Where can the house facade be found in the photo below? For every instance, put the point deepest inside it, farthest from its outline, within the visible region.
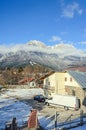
(28, 81)
(54, 84)
(67, 83)
(32, 84)
(75, 84)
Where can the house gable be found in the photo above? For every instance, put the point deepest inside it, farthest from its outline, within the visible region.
(79, 77)
(70, 81)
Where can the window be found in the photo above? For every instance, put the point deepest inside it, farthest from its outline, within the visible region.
(65, 78)
(73, 92)
(71, 79)
(32, 84)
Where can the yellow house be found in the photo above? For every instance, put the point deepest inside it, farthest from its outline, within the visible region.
(54, 84)
(67, 83)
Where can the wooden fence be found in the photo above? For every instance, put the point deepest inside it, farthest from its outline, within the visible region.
(71, 121)
(60, 122)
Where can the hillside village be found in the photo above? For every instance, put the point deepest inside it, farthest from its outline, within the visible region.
(71, 82)
(68, 82)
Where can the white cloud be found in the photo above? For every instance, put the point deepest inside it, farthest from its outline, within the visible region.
(3, 49)
(30, 47)
(12, 48)
(70, 10)
(59, 40)
(55, 38)
(83, 42)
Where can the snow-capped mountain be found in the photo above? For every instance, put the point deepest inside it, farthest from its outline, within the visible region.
(36, 43)
(57, 57)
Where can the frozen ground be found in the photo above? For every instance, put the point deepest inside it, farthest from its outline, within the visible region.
(11, 107)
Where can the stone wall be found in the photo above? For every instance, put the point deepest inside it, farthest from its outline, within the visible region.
(76, 91)
(18, 86)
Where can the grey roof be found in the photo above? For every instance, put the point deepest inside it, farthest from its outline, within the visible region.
(80, 77)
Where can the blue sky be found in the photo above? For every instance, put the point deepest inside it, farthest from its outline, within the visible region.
(49, 21)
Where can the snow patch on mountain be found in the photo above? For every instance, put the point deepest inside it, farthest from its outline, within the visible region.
(57, 56)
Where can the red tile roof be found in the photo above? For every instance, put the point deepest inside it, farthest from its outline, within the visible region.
(26, 80)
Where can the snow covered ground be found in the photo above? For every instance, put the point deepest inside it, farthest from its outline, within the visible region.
(24, 93)
(11, 107)
(80, 128)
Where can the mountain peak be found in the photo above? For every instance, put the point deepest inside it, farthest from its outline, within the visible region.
(36, 43)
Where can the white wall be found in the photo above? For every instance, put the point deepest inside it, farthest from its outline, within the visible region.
(55, 81)
(70, 83)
